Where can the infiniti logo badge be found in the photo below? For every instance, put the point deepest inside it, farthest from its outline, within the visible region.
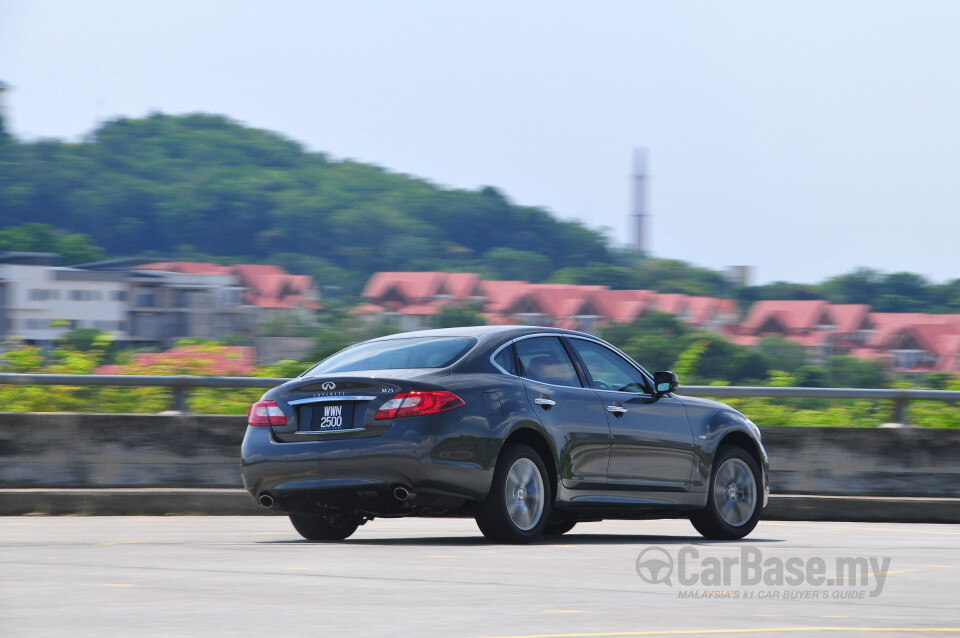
(329, 385)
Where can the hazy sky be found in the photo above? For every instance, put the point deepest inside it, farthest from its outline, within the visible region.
(803, 138)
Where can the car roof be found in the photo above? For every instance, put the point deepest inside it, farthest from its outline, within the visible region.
(480, 332)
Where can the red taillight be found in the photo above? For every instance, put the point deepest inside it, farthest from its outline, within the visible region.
(418, 403)
(266, 413)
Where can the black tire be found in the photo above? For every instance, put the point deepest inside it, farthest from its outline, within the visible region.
(330, 527)
(558, 527)
(730, 516)
(520, 470)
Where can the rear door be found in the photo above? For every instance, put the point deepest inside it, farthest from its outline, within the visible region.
(651, 443)
(572, 413)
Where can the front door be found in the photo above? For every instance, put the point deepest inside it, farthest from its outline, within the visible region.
(651, 443)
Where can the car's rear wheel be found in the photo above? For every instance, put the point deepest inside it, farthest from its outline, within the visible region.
(328, 527)
(734, 500)
(518, 506)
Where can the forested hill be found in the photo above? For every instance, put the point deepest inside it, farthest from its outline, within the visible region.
(202, 187)
(205, 186)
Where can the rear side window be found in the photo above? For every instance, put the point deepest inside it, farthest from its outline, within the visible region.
(505, 360)
(544, 359)
(391, 354)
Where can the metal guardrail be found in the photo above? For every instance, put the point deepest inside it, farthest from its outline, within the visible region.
(181, 384)
(900, 397)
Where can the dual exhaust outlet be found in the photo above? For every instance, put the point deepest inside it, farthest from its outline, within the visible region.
(400, 493)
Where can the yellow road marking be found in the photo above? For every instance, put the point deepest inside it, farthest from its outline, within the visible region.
(752, 630)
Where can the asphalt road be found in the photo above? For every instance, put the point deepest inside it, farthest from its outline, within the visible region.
(253, 576)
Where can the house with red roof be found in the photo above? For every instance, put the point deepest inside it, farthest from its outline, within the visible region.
(907, 342)
(915, 342)
(806, 322)
(412, 300)
(177, 299)
(623, 306)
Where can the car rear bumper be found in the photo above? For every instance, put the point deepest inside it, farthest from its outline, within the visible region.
(359, 474)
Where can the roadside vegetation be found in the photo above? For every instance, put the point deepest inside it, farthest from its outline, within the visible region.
(660, 341)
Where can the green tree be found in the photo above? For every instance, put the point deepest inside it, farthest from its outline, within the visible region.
(610, 275)
(510, 263)
(812, 377)
(850, 372)
(33, 237)
(784, 354)
(457, 316)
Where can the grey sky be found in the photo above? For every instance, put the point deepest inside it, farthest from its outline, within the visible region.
(804, 138)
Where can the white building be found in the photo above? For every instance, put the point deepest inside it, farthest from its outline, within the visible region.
(40, 301)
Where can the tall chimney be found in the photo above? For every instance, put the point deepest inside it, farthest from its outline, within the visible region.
(640, 199)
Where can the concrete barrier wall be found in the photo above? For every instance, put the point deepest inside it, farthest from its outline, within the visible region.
(864, 461)
(68, 450)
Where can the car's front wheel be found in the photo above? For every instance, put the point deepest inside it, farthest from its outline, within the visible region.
(329, 527)
(734, 501)
(518, 506)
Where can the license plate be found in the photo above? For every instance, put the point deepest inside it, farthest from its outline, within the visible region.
(327, 417)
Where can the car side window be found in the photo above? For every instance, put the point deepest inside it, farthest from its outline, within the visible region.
(544, 359)
(608, 369)
(505, 360)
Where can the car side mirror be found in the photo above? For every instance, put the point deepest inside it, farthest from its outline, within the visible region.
(665, 382)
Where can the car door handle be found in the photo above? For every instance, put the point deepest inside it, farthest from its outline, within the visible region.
(544, 402)
(616, 409)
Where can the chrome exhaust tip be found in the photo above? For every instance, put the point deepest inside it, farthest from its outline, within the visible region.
(402, 494)
(266, 500)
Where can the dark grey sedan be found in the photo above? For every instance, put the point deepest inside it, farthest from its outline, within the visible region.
(527, 429)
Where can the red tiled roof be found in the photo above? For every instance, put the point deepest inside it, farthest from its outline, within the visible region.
(421, 285)
(671, 303)
(412, 285)
(562, 300)
(622, 306)
(793, 315)
(703, 309)
(461, 284)
(850, 317)
(501, 294)
(272, 287)
(887, 323)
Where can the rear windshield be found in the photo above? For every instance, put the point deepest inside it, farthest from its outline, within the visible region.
(415, 352)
